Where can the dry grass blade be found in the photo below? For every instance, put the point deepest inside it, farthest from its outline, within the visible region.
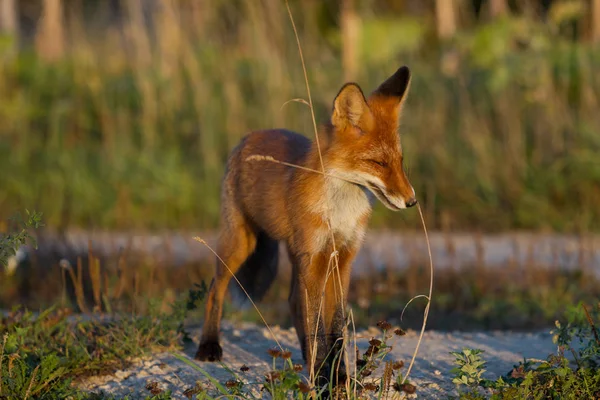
(410, 301)
(258, 157)
(298, 100)
(77, 283)
(316, 131)
(310, 103)
(426, 313)
(4, 339)
(271, 159)
(354, 389)
(592, 324)
(199, 239)
(33, 377)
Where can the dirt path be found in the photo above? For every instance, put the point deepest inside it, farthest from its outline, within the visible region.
(247, 344)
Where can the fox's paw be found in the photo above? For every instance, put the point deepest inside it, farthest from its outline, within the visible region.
(209, 351)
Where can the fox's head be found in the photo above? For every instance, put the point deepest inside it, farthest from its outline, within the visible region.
(364, 143)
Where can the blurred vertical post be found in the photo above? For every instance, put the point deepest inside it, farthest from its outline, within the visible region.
(445, 13)
(9, 17)
(349, 25)
(50, 38)
(595, 21)
(498, 8)
(138, 37)
(168, 23)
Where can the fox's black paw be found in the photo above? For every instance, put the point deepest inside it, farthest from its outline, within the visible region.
(209, 351)
(341, 376)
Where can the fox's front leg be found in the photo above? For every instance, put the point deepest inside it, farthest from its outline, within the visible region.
(307, 306)
(336, 295)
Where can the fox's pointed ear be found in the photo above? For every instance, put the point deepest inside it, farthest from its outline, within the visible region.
(350, 107)
(396, 86)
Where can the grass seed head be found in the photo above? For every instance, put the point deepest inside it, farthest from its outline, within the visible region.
(275, 353)
(397, 365)
(286, 355)
(384, 325)
(303, 387)
(272, 376)
(400, 332)
(232, 383)
(405, 387)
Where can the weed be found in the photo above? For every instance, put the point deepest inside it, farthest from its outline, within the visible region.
(469, 368)
(10, 243)
(557, 377)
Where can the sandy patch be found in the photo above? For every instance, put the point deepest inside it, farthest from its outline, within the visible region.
(247, 344)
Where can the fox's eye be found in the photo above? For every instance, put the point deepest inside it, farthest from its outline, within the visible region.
(380, 163)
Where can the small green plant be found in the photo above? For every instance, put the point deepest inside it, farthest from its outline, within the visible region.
(10, 243)
(469, 369)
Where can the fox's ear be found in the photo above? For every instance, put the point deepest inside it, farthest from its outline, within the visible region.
(350, 107)
(396, 86)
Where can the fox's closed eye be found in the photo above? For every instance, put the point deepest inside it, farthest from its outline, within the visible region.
(379, 162)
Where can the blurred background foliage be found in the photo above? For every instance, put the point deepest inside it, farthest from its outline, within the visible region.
(120, 114)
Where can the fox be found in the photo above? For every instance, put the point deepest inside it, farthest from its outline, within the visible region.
(313, 214)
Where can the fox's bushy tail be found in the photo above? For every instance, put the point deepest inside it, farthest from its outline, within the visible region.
(257, 273)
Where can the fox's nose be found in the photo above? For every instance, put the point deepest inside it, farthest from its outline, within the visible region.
(411, 202)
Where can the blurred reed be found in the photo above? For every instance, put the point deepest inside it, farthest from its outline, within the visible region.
(130, 128)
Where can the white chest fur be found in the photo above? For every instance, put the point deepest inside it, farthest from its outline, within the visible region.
(345, 205)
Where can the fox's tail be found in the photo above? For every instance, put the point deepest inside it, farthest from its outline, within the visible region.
(257, 273)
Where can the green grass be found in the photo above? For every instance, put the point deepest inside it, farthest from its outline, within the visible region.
(499, 131)
(42, 353)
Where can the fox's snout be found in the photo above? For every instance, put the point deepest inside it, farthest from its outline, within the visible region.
(400, 202)
(411, 202)
(395, 200)
(399, 190)
(410, 198)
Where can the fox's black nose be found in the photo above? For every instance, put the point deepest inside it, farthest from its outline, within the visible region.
(411, 202)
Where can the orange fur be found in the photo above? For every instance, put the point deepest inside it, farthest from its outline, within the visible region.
(265, 202)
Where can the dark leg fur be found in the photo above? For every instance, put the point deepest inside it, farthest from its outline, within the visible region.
(236, 243)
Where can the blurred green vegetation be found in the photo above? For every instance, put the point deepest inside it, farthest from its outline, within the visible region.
(131, 129)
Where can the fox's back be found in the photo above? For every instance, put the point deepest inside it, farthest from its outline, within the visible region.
(259, 188)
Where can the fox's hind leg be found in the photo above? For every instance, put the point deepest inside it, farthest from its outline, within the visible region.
(236, 243)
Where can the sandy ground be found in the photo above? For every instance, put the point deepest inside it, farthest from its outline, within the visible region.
(248, 344)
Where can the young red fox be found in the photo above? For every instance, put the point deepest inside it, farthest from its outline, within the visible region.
(263, 203)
